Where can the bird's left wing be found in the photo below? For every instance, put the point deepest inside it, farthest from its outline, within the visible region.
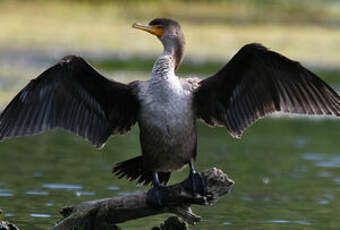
(257, 82)
(71, 95)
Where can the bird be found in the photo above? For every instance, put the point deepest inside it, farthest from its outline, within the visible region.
(254, 83)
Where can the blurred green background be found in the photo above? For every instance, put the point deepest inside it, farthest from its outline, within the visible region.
(41, 32)
(287, 169)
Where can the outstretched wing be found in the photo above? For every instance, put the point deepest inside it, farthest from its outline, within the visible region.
(71, 95)
(257, 82)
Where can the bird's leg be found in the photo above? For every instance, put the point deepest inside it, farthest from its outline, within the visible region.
(156, 195)
(198, 182)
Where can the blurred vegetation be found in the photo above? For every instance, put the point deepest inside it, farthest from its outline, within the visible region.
(295, 28)
(35, 34)
(304, 30)
(325, 12)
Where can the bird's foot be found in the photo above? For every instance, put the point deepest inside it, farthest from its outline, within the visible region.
(156, 195)
(198, 184)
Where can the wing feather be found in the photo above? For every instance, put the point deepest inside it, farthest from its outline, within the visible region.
(257, 82)
(71, 95)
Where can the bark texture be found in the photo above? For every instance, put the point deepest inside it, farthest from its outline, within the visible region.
(104, 213)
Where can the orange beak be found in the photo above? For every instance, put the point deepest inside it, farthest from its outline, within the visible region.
(154, 29)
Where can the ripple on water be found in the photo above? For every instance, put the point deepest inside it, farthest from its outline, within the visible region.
(329, 196)
(325, 174)
(323, 202)
(313, 156)
(246, 198)
(300, 142)
(37, 174)
(63, 186)
(84, 193)
(281, 221)
(266, 180)
(37, 193)
(259, 197)
(113, 188)
(5, 193)
(323, 160)
(337, 180)
(49, 204)
(40, 215)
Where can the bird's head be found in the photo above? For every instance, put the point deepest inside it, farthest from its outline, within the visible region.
(169, 32)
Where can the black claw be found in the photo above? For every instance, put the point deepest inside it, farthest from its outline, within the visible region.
(156, 196)
(198, 183)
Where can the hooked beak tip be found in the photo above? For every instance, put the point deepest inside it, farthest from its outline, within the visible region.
(148, 28)
(134, 25)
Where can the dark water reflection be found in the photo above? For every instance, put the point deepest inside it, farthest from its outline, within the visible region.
(286, 171)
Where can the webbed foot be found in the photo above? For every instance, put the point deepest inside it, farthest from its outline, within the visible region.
(156, 195)
(198, 183)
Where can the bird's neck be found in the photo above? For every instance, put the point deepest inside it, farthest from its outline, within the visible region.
(168, 62)
(163, 79)
(164, 68)
(175, 49)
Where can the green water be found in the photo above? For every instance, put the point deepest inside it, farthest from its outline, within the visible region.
(287, 174)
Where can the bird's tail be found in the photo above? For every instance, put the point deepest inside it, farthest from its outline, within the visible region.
(133, 170)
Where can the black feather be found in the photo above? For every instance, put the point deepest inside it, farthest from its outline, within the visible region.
(257, 82)
(133, 169)
(71, 95)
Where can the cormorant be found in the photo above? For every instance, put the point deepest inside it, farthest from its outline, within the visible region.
(72, 95)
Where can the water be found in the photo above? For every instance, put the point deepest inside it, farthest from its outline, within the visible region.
(287, 176)
(279, 184)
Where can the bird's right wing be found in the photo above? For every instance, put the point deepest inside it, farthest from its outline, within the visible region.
(71, 95)
(257, 82)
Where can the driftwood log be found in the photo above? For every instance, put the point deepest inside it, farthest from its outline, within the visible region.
(104, 213)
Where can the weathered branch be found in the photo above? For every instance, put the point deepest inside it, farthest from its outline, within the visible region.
(102, 214)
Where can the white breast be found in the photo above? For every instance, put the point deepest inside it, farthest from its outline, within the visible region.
(166, 119)
(166, 103)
